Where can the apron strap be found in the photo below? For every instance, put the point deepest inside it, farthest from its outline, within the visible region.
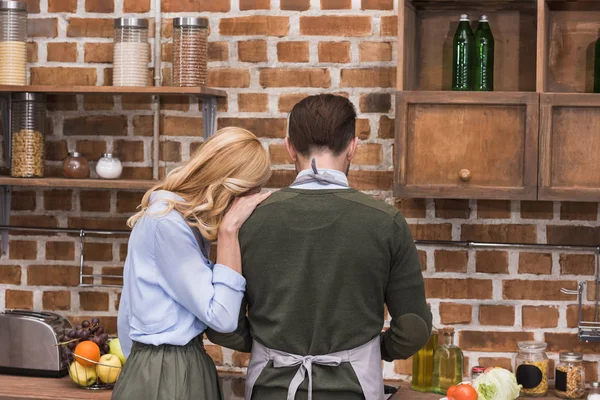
(324, 178)
(305, 367)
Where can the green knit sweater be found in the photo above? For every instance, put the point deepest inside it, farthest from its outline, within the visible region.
(320, 265)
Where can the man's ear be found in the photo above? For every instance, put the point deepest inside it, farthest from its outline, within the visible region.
(352, 148)
(291, 150)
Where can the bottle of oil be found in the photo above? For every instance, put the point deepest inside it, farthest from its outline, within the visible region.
(422, 365)
(447, 364)
(484, 56)
(463, 48)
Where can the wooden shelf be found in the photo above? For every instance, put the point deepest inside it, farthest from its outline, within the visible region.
(131, 184)
(487, 5)
(118, 90)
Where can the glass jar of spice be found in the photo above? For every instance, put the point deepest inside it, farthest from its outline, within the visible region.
(532, 368)
(13, 43)
(190, 51)
(594, 391)
(109, 167)
(570, 376)
(476, 371)
(76, 166)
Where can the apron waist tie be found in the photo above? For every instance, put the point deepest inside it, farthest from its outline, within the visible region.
(305, 367)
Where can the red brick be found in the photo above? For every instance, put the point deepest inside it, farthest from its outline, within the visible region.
(493, 209)
(170, 151)
(127, 202)
(22, 200)
(588, 314)
(91, 149)
(56, 150)
(376, 77)
(100, 6)
(452, 313)
(334, 52)
(252, 51)
(229, 77)
(377, 4)
(578, 211)
(55, 6)
(62, 102)
(64, 251)
(241, 359)
(363, 129)
(295, 5)
(577, 264)
(450, 209)
(540, 317)
(446, 288)
(55, 76)
(451, 261)
(59, 300)
(255, 5)
(32, 52)
(492, 341)
(10, 274)
(129, 150)
(334, 25)
(536, 290)
(261, 127)
(375, 103)
(386, 128)
(62, 52)
(431, 231)
(136, 6)
(411, 208)
(496, 315)
(422, 259)
(377, 180)
(375, 51)
(98, 251)
(98, 52)
(561, 342)
(90, 27)
(292, 52)
(22, 250)
(42, 27)
(33, 221)
(114, 271)
(96, 125)
(123, 252)
(590, 371)
(389, 26)
(537, 209)
(501, 362)
(98, 223)
(253, 102)
(215, 352)
(137, 173)
(491, 262)
(292, 77)
(58, 200)
(403, 367)
(281, 178)
(93, 301)
(279, 154)
(94, 200)
(368, 154)
(218, 51)
(573, 235)
(52, 275)
(535, 263)
(336, 4)
(287, 101)
(33, 6)
(19, 299)
(500, 233)
(254, 25)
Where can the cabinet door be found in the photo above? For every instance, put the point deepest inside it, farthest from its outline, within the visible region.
(466, 145)
(570, 147)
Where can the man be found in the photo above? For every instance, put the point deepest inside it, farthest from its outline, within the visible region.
(320, 261)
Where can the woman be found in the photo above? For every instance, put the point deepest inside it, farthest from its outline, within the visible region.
(172, 292)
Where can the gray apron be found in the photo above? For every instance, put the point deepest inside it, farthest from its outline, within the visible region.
(365, 360)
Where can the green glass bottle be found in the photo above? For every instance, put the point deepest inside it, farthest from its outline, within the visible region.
(447, 364)
(484, 56)
(462, 55)
(597, 67)
(422, 365)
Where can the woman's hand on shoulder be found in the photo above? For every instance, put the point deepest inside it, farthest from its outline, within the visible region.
(240, 211)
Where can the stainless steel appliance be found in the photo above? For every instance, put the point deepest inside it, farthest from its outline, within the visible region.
(28, 343)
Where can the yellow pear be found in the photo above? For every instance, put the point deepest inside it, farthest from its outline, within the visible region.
(108, 368)
(83, 376)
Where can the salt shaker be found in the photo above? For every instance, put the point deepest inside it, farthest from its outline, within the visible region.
(109, 167)
(594, 391)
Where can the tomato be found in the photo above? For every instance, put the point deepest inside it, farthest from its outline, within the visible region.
(464, 392)
(450, 391)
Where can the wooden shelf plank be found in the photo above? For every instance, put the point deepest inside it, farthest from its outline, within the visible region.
(482, 5)
(131, 184)
(114, 90)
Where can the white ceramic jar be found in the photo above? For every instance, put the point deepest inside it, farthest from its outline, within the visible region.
(109, 167)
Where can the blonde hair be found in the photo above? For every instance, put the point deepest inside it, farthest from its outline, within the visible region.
(229, 164)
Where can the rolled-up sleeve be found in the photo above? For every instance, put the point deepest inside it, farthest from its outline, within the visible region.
(215, 295)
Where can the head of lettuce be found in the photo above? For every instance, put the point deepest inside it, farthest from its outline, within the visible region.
(497, 384)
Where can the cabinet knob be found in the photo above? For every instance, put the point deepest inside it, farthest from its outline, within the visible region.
(465, 175)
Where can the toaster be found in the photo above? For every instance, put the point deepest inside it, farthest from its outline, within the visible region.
(28, 343)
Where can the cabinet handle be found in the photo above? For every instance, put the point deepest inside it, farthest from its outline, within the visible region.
(465, 175)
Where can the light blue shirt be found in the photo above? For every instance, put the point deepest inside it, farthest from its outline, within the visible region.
(171, 291)
(339, 175)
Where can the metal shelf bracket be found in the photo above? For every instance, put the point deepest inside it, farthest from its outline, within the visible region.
(5, 191)
(209, 115)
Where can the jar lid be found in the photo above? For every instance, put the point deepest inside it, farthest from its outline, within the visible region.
(131, 23)
(27, 96)
(13, 5)
(571, 357)
(447, 331)
(107, 155)
(483, 18)
(478, 369)
(596, 384)
(190, 21)
(532, 346)
(74, 154)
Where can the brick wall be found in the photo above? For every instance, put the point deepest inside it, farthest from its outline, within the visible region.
(268, 54)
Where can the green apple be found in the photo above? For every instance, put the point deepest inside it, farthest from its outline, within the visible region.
(108, 368)
(115, 348)
(83, 376)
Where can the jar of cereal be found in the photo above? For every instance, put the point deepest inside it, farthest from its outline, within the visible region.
(532, 368)
(569, 377)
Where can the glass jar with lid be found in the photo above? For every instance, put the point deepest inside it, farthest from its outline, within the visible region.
(189, 51)
(28, 118)
(13, 43)
(532, 368)
(109, 167)
(594, 391)
(76, 166)
(131, 52)
(570, 376)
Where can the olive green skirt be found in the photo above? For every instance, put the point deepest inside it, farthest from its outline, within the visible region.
(168, 372)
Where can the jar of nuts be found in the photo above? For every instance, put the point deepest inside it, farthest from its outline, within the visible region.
(570, 378)
(28, 126)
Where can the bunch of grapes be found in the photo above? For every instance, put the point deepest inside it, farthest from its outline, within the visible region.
(86, 331)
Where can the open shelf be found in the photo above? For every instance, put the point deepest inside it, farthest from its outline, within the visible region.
(118, 90)
(130, 184)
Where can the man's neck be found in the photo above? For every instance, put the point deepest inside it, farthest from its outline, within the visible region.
(323, 162)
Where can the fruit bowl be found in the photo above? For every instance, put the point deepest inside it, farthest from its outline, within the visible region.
(89, 374)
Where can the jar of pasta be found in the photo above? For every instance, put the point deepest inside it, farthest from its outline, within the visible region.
(569, 377)
(532, 368)
(13, 43)
(28, 125)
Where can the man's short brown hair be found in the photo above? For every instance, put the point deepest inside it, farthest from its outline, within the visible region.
(322, 122)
